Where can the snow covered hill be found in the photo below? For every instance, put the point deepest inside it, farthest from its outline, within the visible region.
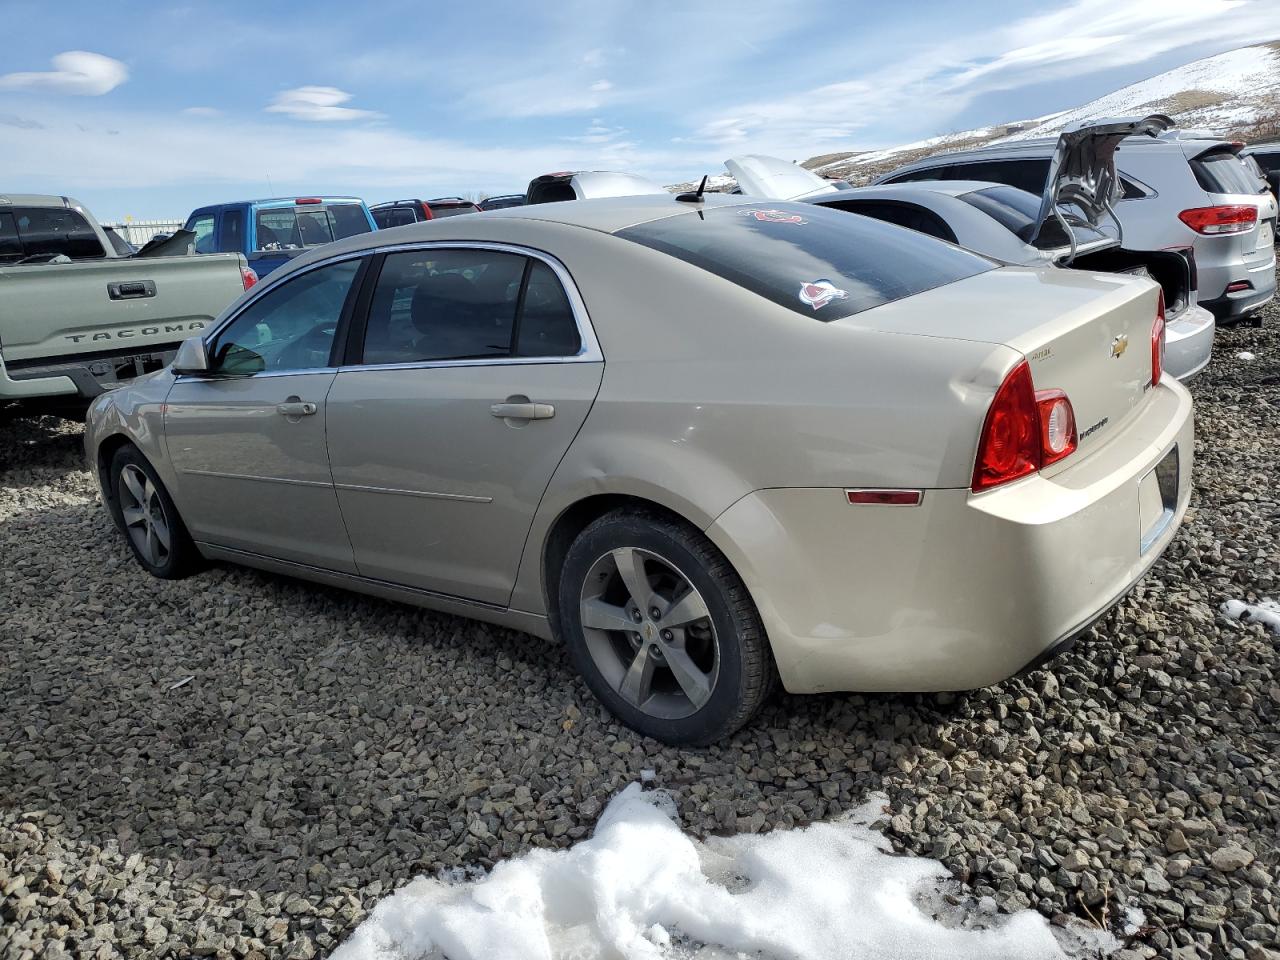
(1231, 92)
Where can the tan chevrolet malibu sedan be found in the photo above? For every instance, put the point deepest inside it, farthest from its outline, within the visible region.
(707, 444)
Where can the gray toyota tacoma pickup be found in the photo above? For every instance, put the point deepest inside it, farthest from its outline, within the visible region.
(76, 318)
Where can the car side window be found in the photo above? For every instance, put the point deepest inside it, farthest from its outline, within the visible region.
(1029, 175)
(54, 231)
(290, 327)
(547, 326)
(231, 239)
(203, 227)
(10, 245)
(440, 304)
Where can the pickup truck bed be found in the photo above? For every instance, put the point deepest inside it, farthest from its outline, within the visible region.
(70, 330)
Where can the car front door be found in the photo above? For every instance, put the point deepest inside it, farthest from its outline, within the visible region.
(475, 368)
(248, 439)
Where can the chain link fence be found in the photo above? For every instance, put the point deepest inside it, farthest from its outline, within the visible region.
(138, 232)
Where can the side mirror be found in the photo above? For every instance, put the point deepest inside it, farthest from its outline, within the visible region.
(192, 358)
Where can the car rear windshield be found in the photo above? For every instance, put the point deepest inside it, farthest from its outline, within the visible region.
(309, 225)
(1019, 211)
(817, 262)
(1224, 172)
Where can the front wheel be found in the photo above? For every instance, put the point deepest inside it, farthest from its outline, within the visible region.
(663, 629)
(145, 513)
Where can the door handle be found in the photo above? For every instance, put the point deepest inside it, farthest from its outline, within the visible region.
(131, 289)
(523, 410)
(293, 407)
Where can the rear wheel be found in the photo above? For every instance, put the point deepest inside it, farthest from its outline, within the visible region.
(662, 628)
(145, 513)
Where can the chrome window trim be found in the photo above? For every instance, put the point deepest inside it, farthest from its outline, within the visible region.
(589, 352)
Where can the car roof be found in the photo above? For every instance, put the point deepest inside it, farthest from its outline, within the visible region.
(1043, 148)
(36, 200)
(605, 214)
(948, 188)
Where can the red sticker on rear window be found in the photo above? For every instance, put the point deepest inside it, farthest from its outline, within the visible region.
(774, 216)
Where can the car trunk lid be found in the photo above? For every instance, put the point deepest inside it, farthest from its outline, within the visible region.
(1088, 334)
(1082, 180)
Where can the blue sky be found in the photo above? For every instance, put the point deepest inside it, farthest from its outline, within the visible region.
(150, 110)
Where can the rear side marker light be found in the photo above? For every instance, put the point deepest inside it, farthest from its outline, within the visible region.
(1214, 221)
(1158, 342)
(1238, 286)
(887, 498)
(248, 277)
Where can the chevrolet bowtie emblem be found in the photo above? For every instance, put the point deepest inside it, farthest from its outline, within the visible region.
(1119, 345)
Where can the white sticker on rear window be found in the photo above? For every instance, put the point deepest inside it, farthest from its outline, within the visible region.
(819, 293)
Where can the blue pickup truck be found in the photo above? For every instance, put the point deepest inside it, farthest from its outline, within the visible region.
(272, 232)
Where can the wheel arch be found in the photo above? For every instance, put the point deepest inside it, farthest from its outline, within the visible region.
(105, 453)
(575, 518)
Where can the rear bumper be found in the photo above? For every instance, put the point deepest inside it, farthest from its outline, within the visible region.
(1189, 343)
(30, 388)
(84, 377)
(964, 590)
(1262, 279)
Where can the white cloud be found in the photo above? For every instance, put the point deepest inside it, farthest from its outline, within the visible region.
(600, 86)
(320, 104)
(593, 58)
(202, 112)
(76, 72)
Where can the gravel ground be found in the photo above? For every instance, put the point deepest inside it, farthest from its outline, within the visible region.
(239, 765)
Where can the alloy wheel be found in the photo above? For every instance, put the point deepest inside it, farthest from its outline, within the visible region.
(650, 633)
(144, 516)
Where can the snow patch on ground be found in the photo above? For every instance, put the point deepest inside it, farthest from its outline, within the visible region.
(1245, 355)
(1266, 612)
(640, 888)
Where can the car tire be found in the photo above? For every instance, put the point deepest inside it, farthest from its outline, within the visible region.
(146, 515)
(691, 683)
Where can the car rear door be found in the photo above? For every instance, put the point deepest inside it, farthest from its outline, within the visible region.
(474, 371)
(248, 439)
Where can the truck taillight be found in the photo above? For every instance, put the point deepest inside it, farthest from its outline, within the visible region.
(1214, 221)
(1025, 430)
(1157, 342)
(426, 213)
(248, 277)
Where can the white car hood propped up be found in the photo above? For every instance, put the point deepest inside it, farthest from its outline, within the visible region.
(774, 179)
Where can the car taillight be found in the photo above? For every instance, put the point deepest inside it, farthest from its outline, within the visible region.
(248, 277)
(1231, 218)
(1057, 426)
(1025, 430)
(1010, 444)
(1157, 343)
